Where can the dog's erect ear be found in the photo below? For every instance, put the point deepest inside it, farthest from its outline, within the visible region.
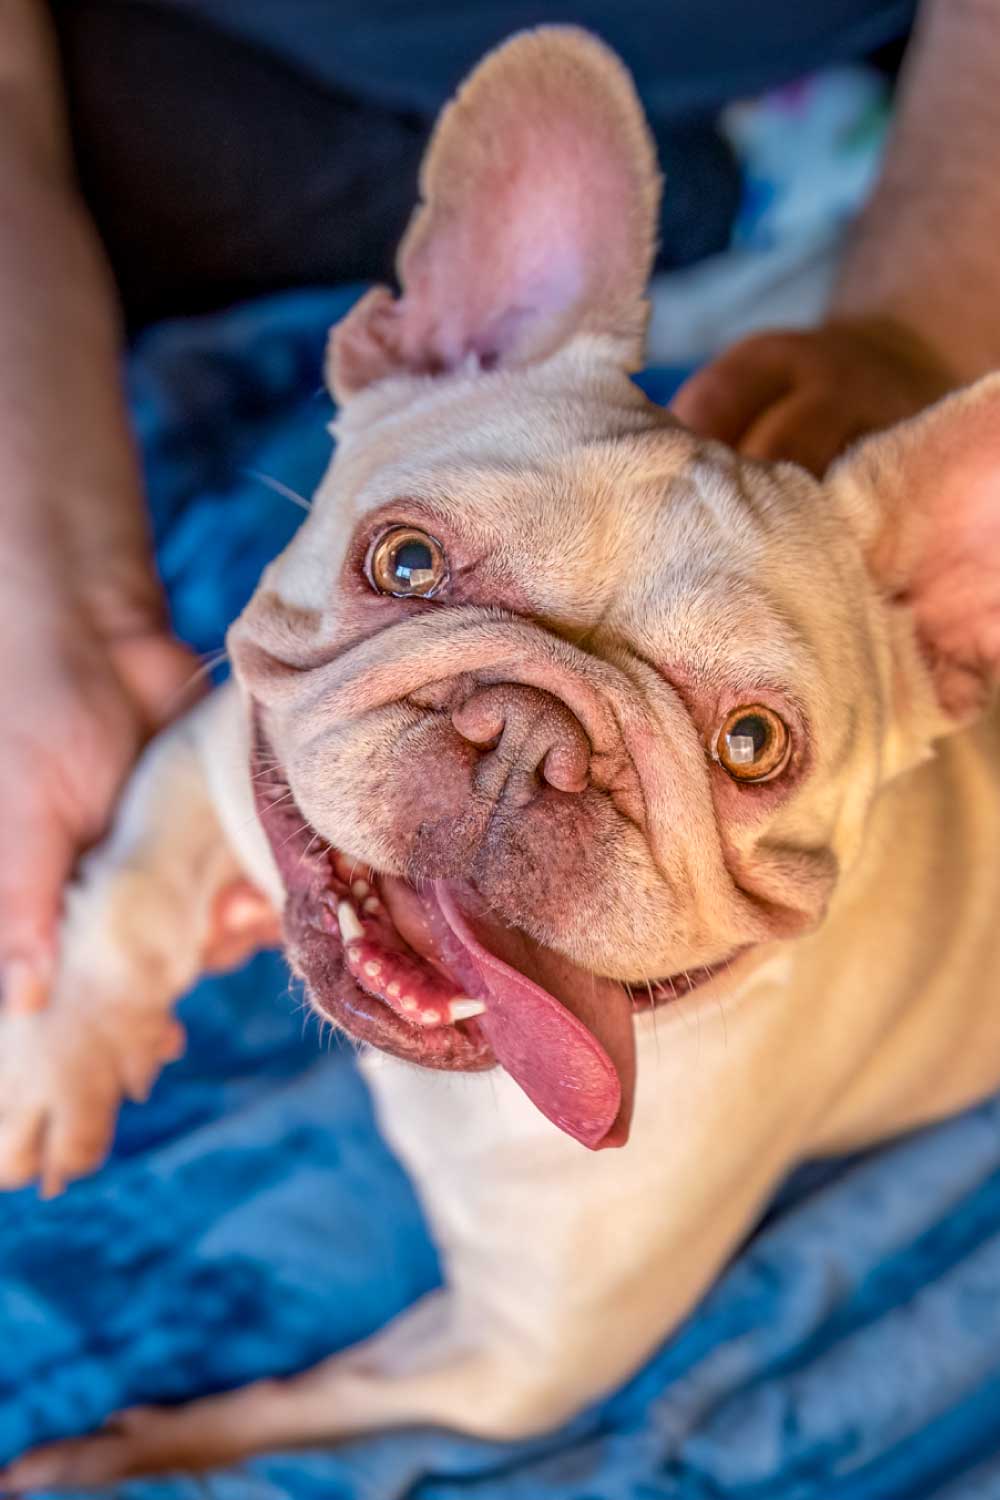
(537, 222)
(926, 497)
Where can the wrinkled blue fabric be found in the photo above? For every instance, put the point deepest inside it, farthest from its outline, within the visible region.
(251, 1221)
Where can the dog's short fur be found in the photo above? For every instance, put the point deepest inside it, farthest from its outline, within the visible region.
(544, 732)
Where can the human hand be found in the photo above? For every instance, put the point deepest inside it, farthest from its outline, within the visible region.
(805, 396)
(82, 685)
(87, 667)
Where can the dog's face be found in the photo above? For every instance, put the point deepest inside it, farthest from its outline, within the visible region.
(559, 710)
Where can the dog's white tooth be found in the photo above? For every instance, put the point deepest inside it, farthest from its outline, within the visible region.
(347, 920)
(462, 1009)
(360, 889)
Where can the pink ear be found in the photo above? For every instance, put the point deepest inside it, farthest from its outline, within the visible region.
(934, 534)
(539, 199)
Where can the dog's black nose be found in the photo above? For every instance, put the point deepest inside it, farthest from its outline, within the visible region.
(527, 738)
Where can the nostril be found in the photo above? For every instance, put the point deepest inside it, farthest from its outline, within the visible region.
(535, 735)
(566, 767)
(480, 720)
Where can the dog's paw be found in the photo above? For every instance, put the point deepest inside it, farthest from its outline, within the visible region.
(131, 944)
(185, 1439)
(103, 1035)
(241, 920)
(145, 1440)
(64, 1072)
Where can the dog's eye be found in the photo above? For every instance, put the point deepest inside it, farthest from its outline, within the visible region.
(753, 744)
(407, 563)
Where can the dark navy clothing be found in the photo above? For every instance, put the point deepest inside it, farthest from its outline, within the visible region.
(688, 56)
(234, 146)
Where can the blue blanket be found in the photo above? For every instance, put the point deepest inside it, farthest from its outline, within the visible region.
(851, 1350)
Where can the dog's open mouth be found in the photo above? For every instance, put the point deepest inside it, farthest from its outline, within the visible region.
(432, 976)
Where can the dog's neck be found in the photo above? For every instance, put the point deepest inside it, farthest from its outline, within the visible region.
(909, 954)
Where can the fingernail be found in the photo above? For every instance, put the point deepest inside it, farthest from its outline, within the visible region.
(244, 912)
(174, 1042)
(52, 1185)
(25, 986)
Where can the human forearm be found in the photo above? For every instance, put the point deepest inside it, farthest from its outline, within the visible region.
(87, 670)
(71, 498)
(924, 256)
(916, 310)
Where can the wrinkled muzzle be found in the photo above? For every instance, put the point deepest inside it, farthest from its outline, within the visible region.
(458, 812)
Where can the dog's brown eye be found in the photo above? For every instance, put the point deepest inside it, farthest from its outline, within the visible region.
(407, 563)
(753, 744)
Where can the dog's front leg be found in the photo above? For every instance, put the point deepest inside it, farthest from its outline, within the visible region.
(163, 897)
(435, 1365)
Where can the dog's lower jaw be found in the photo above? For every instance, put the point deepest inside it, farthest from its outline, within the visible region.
(433, 975)
(412, 973)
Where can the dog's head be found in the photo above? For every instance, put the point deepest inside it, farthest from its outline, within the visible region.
(560, 711)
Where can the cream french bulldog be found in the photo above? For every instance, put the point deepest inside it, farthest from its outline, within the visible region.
(640, 796)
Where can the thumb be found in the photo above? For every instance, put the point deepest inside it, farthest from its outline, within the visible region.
(724, 398)
(36, 857)
(160, 675)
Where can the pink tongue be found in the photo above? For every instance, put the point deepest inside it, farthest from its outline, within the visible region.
(565, 1036)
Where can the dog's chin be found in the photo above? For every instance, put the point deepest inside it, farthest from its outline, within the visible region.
(432, 976)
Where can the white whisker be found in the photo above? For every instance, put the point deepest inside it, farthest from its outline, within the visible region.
(305, 853)
(656, 1032)
(285, 797)
(294, 834)
(279, 488)
(720, 1001)
(267, 774)
(186, 688)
